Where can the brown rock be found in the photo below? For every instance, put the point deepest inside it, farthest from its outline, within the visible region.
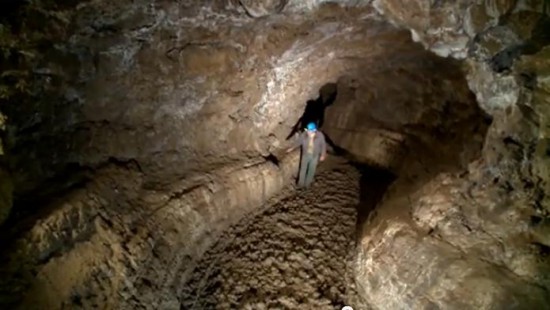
(477, 20)
(163, 124)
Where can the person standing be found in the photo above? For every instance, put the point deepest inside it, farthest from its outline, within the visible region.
(314, 149)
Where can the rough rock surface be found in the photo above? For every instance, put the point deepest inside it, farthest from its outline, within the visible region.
(151, 85)
(446, 245)
(422, 110)
(295, 255)
(112, 244)
(151, 126)
(476, 236)
(493, 33)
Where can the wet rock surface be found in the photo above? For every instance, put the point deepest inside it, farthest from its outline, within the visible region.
(296, 255)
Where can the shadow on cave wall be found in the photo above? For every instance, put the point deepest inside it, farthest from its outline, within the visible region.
(315, 109)
(374, 180)
(315, 112)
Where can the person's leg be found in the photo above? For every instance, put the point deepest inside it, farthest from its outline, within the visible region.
(304, 163)
(312, 166)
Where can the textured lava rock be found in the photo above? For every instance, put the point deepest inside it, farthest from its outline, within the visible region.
(175, 113)
(263, 8)
(378, 117)
(178, 114)
(117, 233)
(506, 266)
(295, 255)
(446, 219)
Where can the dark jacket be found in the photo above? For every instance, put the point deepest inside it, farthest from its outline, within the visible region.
(319, 143)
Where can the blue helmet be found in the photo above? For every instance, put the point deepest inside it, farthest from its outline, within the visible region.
(311, 126)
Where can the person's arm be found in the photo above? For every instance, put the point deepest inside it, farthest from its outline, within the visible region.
(296, 144)
(323, 147)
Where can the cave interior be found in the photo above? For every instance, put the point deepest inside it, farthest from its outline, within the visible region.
(144, 163)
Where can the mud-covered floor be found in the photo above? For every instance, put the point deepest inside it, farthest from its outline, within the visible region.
(295, 255)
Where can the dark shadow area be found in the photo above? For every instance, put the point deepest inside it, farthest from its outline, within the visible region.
(36, 203)
(315, 109)
(334, 148)
(373, 184)
(315, 112)
(273, 159)
(540, 37)
(37, 143)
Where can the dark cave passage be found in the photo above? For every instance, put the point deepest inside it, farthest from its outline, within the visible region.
(373, 184)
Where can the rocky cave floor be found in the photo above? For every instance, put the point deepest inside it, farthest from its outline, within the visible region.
(297, 254)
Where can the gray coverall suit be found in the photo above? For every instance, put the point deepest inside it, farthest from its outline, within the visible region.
(312, 150)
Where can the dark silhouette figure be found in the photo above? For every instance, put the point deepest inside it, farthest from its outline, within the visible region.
(315, 109)
(315, 112)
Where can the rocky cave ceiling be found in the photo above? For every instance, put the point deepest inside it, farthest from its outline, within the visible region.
(135, 132)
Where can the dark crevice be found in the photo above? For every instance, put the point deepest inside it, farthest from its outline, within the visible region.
(272, 158)
(76, 300)
(373, 184)
(540, 37)
(129, 164)
(535, 220)
(542, 249)
(73, 176)
(504, 59)
(511, 141)
(528, 80)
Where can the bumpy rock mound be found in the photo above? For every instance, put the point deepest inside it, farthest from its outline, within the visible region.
(145, 128)
(296, 255)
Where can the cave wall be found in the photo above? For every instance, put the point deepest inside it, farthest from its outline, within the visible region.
(110, 246)
(390, 117)
(142, 101)
(485, 225)
(151, 85)
(171, 150)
